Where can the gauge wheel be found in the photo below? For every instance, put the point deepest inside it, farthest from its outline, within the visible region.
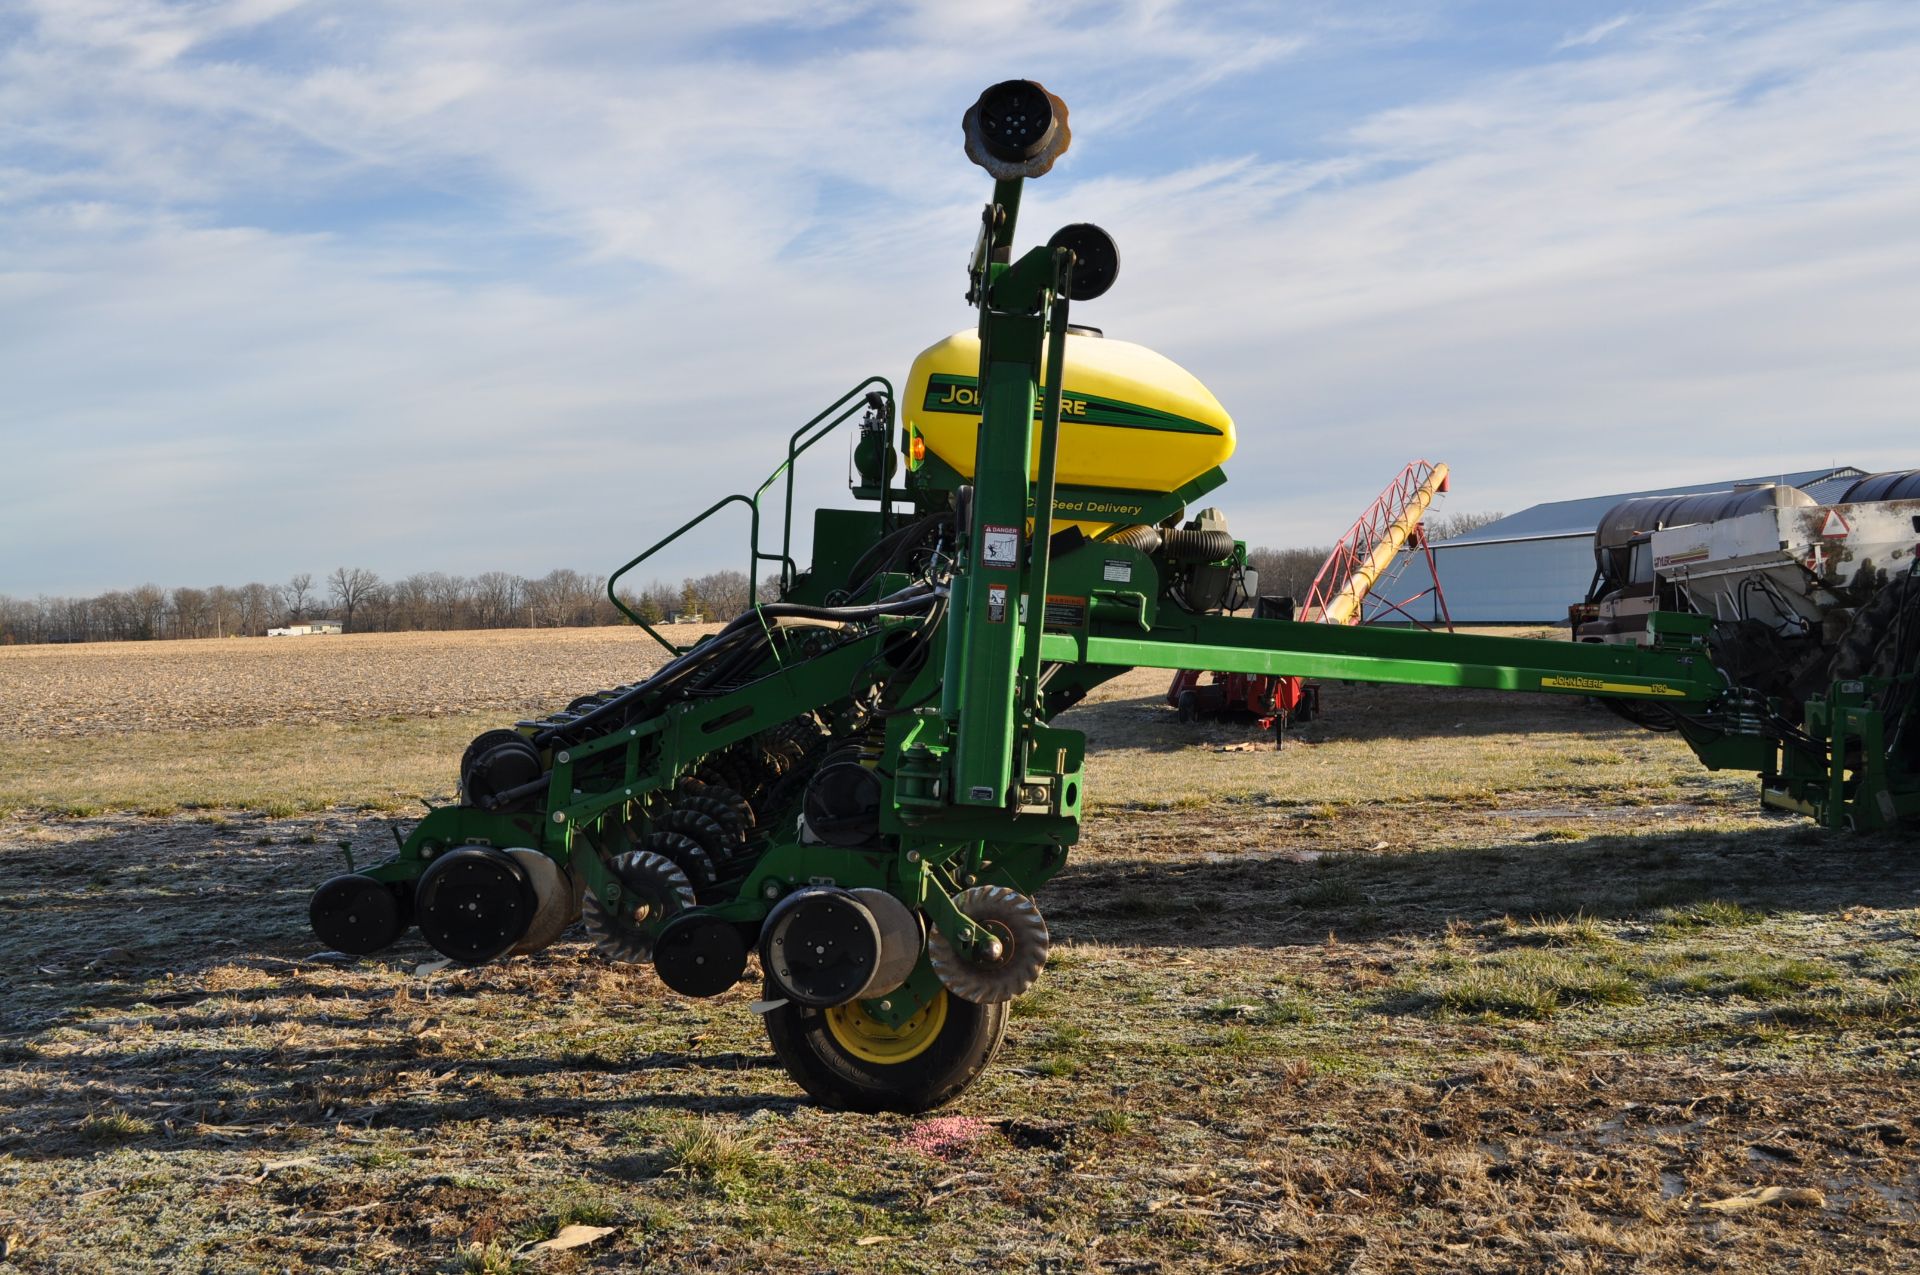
(845, 1057)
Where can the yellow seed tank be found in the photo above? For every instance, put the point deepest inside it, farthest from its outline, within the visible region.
(1131, 420)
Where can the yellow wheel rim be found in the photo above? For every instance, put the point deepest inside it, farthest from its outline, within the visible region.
(870, 1040)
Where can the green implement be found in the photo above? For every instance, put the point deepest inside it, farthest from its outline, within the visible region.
(859, 786)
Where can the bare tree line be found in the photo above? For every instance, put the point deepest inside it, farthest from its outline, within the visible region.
(1447, 526)
(1287, 572)
(564, 598)
(1290, 572)
(363, 603)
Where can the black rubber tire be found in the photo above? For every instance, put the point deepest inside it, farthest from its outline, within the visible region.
(966, 1046)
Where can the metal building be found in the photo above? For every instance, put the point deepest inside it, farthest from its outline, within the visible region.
(1531, 566)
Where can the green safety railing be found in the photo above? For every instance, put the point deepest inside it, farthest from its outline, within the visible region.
(803, 438)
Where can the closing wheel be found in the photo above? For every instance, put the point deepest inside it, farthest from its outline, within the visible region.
(732, 811)
(685, 852)
(657, 889)
(1012, 919)
(704, 830)
(725, 816)
(845, 1057)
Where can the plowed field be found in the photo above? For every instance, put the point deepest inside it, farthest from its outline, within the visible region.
(50, 692)
(1454, 982)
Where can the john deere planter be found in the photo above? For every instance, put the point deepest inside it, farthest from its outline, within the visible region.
(858, 787)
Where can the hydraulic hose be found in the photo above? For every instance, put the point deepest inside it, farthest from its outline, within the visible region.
(891, 550)
(743, 630)
(676, 669)
(909, 667)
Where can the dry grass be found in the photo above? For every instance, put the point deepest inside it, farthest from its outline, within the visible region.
(98, 688)
(1381, 744)
(277, 770)
(1379, 1010)
(378, 721)
(282, 725)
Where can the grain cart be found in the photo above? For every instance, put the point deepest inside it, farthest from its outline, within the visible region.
(861, 783)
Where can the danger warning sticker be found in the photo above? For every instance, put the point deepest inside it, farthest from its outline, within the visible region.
(1000, 546)
(997, 603)
(1065, 612)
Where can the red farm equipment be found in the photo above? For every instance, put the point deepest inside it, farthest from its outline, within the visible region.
(1272, 703)
(1353, 586)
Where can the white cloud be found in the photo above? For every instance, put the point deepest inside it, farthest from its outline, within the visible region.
(618, 253)
(1594, 34)
(1637, 271)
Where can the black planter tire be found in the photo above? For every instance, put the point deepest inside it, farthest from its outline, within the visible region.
(952, 1044)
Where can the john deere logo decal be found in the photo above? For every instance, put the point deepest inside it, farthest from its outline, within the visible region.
(1602, 686)
(962, 394)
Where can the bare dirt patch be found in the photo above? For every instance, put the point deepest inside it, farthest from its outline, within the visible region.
(50, 692)
(283, 725)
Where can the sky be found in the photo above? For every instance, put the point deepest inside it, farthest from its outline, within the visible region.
(499, 285)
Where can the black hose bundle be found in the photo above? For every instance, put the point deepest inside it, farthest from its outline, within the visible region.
(1194, 547)
(906, 666)
(895, 550)
(745, 633)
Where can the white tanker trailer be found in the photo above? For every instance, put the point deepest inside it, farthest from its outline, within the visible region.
(1800, 592)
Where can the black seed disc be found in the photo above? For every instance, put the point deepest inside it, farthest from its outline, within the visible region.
(355, 913)
(474, 903)
(700, 956)
(820, 945)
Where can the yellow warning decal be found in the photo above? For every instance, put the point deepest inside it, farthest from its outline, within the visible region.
(1598, 686)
